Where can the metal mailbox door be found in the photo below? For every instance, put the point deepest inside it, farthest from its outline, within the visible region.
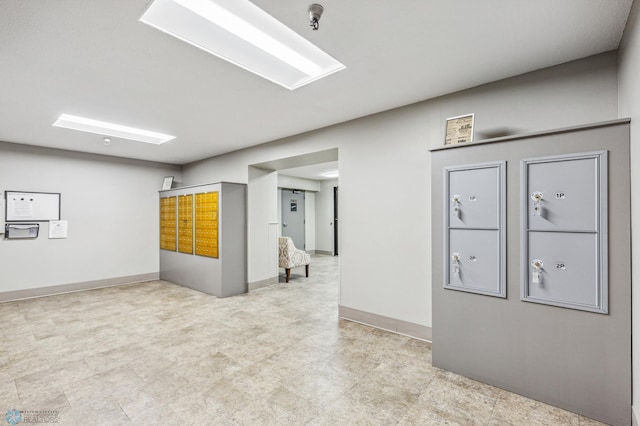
(564, 270)
(562, 195)
(474, 261)
(475, 193)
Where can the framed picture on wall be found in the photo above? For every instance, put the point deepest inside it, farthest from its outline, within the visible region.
(168, 181)
(459, 129)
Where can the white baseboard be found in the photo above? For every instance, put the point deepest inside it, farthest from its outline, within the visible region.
(30, 293)
(406, 328)
(634, 416)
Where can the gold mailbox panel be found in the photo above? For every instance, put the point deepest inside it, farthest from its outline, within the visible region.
(168, 223)
(185, 224)
(207, 224)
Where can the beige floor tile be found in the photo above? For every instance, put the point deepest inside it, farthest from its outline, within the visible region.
(415, 348)
(112, 417)
(9, 394)
(320, 386)
(49, 401)
(121, 383)
(227, 395)
(517, 410)
(144, 409)
(585, 421)
(258, 379)
(285, 403)
(22, 364)
(207, 370)
(424, 416)
(346, 411)
(378, 394)
(468, 385)
(404, 372)
(199, 410)
(355, 363)
(70, 371)
(456, 404)
(149, 367)
(42, 383)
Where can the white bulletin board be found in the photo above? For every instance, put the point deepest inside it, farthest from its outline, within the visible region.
(24, 206)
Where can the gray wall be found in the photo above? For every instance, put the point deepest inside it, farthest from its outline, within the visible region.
(263, 225)
(576, 360)
(112, 208)
(387, 154)
(629, 106)
(309, 221)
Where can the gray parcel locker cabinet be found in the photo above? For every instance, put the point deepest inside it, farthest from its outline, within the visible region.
(567, 188)
(474, 196)
(477, 267)
(569, 269)
(474, 222)
(564, 231)
(570, 358)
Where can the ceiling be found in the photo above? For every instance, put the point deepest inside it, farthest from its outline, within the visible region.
(93, 59)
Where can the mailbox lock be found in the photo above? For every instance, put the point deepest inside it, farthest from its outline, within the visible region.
(455, 202)
(455, 259)
(537, 198)
(537, 264)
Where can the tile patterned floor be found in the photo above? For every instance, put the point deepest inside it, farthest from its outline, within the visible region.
(161, 354)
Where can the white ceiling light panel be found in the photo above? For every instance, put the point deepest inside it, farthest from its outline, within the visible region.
(240, 32)
(331, 174)
(110, 129)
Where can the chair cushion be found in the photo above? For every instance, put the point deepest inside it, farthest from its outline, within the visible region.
(289, 256)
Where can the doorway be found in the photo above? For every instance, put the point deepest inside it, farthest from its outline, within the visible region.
(317, 174)
(293, 216)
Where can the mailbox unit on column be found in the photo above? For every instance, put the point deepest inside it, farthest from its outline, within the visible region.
(564, 231)
(203, 237)
(474, 228)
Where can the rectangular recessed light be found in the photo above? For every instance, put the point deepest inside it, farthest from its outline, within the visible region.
(240, 32)
(110, 129)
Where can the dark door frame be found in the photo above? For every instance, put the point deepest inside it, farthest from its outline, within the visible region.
(335, 220)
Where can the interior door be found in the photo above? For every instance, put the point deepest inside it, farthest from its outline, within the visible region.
(293, 216)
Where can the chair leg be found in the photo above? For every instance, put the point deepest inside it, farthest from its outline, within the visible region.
(306, 269)
(288, 270)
